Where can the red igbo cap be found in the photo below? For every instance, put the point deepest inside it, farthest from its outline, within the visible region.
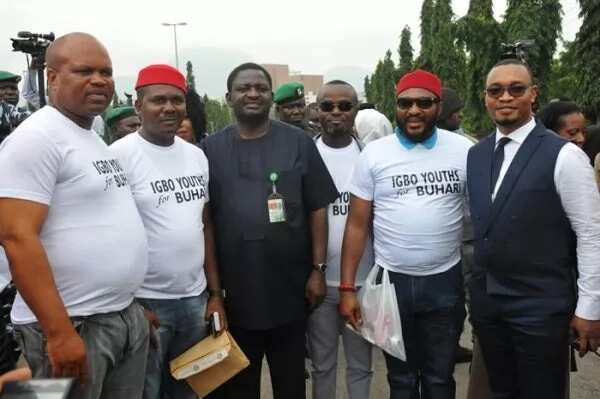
(161, 74)
(420, 79)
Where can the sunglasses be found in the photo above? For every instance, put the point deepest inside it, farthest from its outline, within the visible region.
(422, 102)
(343, 106)
(516, 90)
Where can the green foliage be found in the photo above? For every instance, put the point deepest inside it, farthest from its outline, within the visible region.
(587, 59)
(481, 35)
(539, 20)
(218, 115)
(189, 76)
(563, 79)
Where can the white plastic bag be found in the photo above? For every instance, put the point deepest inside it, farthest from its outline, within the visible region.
(380, 314)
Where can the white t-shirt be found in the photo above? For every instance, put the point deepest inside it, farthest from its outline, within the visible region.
(93, 235)
(418, 199)
(170, 187)
(340, 162)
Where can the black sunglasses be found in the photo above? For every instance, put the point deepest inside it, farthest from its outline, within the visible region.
(343, 106)
(422, 102)
(516, 90)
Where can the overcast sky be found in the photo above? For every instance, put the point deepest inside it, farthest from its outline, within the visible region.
(312, 36)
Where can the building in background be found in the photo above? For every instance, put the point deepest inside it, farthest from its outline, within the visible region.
(280, 73)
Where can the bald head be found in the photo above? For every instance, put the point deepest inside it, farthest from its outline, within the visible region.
(334, 84)
(69, 45)
(80, 81)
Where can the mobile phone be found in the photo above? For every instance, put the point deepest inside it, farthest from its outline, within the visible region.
(38, 389)
(214, 324)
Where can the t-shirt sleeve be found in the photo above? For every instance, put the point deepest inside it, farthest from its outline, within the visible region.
(318, 187)
(30, 163)
(362, 184)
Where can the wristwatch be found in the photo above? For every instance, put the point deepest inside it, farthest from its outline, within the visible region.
(320, 267)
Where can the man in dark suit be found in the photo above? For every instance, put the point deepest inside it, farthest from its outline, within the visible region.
(536, 218)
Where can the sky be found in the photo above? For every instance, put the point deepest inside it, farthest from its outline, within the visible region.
(312, 36)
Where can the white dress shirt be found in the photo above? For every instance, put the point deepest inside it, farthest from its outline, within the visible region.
(576, 186)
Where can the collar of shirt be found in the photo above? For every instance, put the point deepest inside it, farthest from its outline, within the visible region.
(518, 135)
(409, 144)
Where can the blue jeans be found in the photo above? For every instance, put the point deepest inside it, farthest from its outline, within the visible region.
(116, 344)
(182, 325)
(432, 310)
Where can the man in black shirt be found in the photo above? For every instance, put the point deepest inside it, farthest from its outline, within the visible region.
(270, 189)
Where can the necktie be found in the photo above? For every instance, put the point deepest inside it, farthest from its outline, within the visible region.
(497, 162)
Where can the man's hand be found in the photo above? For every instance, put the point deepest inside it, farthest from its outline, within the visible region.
(588, 334)
(216, 304)
(350, 309)
(316, 288)
(67, 355)
(153, 324)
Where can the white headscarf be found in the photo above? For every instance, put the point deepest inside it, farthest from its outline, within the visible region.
(371, 125)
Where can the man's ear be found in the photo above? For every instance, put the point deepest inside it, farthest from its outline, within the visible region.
(228, 98)
(51, 77)
(536, 92)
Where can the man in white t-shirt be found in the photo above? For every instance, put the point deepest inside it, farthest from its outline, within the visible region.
(413, 183)
(74, 240)
(338, 104)
(169, 181)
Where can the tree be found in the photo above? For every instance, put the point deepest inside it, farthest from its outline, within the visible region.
(217, 114)
(367, 88)
(115, 100)
(563, 80)
(405, 52)
(387, 105)
(481, 35)
(446, 53)
(539, 20)
(425, 59)
(381, 88)
(587, 64)
(189, 77)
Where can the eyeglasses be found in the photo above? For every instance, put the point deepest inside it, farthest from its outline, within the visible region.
(343, 106)
(516, 90)
(422, 102)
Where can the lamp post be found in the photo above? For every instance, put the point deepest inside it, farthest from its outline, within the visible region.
(175, 25)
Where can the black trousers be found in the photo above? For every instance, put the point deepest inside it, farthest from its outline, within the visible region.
(284, 348)
(524, 342)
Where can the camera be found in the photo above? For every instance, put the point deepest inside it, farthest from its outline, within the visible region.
(517, 50)
(34, 44)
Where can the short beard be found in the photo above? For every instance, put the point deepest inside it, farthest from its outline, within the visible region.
(252, 120)
(427, 132)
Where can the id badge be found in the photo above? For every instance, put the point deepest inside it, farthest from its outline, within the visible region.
(275, 202)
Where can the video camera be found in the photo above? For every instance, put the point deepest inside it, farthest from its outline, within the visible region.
(517, 50)
(34, 44)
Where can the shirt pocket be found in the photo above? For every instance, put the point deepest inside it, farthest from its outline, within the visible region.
(289, 185)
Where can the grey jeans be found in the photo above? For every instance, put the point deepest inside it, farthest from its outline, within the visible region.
(324, 328)
(116, 344)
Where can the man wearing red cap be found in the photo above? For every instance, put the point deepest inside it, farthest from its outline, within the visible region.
(169, 180)
(74, 240)
(413, 183)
